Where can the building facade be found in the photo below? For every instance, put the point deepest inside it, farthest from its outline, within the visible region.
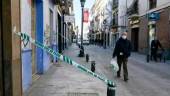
(114, 24)
(123, 6)
(65, 29)
(21, 63)
(147, 20)
(101, 22)
(38, 20)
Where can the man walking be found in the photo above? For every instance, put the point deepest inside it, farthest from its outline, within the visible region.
(122, 51)
(155, 44)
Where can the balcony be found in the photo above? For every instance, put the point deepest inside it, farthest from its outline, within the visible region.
(115, 4)
(65, 5)
(114, 21)
(133, 9)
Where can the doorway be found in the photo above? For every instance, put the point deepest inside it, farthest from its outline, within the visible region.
(59, 34)
(108, 39)
(51, 34)
(33, 30)
(135, 39)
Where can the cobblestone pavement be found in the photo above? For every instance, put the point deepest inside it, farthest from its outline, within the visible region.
(146, 79)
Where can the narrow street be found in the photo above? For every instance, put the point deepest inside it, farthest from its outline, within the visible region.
(146, 79)
(34, 32)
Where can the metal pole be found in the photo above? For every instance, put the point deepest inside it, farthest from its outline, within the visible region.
(126, 17)
(148, 37)
(77, 35)
(81, 45)
(82, 27)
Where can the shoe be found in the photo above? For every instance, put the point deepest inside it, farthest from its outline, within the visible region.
(118, 76)
(126, 80)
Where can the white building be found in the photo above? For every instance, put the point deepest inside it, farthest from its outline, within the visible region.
(102, 17)
(123, 5)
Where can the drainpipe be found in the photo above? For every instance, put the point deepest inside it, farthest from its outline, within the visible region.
(148, 49)
(126, 17)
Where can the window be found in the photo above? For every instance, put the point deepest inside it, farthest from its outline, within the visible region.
(115, 19)
(152, 4)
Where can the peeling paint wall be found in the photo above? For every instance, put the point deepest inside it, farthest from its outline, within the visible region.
(26, 46)
(50, 35)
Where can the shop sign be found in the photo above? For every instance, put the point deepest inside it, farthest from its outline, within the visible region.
(86, 16)
(154, 16)
(69, 18)
(133, 22)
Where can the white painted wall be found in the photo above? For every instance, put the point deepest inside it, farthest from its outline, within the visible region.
(98, 9)
(26, 20)
(122, 8)
(53, 8)
(85, 31)
(144, 6)
(163, 2)
(108, 12)
(48, 5)
(46, 13)
(46, 23)
(121, 14)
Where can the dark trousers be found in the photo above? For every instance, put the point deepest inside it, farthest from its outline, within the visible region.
(120, 61)
(154, 54)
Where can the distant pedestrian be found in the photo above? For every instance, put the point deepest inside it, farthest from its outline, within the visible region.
(122, 51)
(155, 44)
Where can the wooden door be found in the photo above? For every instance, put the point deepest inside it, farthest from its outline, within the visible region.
(33, 29)
(1, 86)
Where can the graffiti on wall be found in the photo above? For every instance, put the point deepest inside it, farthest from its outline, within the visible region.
(47, 35)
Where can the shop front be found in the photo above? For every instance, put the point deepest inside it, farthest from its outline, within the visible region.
(134, 32)
(153, 18)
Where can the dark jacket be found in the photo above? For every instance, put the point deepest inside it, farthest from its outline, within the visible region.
(155, 44)
(122, 46)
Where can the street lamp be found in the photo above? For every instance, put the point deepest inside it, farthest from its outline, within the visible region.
(81, 46)
(82, 2)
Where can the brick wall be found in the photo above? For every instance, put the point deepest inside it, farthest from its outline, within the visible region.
(163, 28)
(143, 35)
(162, 31)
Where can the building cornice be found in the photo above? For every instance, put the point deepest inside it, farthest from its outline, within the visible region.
(156, 9)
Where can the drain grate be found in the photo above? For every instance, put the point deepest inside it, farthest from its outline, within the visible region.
(83, 94)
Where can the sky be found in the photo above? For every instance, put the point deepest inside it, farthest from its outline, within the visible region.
(77, 10)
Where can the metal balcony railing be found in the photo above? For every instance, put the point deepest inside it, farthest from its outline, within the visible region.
(115, 4)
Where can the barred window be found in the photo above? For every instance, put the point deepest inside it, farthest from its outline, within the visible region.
(152, 4)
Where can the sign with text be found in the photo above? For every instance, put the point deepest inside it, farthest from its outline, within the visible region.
(69, 18)
(86, 16)
(132, 22)
(154, 16)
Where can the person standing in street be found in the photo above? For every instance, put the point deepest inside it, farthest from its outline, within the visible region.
(155, 44)
(122, 51)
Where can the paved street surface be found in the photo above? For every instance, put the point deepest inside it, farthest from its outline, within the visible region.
(146, 79)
